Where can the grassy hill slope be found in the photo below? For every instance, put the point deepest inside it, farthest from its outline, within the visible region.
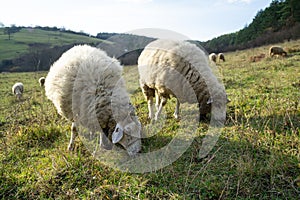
(28, 41)
(256, 157)
(21, 41)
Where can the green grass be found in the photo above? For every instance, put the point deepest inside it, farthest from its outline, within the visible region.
(19, 41)
(256, 157)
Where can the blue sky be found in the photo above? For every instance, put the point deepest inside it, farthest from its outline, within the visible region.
(196, 19)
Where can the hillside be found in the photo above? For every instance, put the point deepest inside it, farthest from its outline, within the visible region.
(35, 49)
(257, 155)
(31, 49)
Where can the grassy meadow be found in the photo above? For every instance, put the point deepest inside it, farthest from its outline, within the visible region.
(257, 155)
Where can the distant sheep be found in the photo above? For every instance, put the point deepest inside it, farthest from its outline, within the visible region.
(213, 57)
(170, 68)
(276, 50)
(221, 57)
(18, 89)
(42, 81)
(86, 87)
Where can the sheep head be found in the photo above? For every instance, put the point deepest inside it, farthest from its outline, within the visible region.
(127, 131)
(128, 136)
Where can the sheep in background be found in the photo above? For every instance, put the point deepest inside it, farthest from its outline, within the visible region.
(42, 81)
(173, 68)
(221, 57)
(276, 50)
(18, 89)
(213, 57)
(86, 87)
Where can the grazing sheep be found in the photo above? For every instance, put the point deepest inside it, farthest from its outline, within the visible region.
(276, 50)
(221, 57)
(173, 68)
(213, 57)
(86, 87)
(18, 89)
(42, 81)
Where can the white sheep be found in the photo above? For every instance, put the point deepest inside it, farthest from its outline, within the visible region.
(180, 69)
(221, 57)
(213, 57)
(86, 87)
(18, 89)
(276, 50)
(42, 81)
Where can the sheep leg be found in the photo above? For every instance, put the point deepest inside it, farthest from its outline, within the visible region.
(176, 113)
(73, 136)
(161, 105)
(157, 100)
(150, 107)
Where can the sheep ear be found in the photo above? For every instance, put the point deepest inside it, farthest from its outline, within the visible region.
(210, 100)
(117, 134)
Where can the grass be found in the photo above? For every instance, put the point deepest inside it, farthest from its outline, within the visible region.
(256, 157)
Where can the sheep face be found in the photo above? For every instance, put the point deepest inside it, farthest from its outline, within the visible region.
(128, 135)
(128, 128)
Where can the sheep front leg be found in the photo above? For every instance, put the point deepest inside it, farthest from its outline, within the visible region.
(161, 105)
(73, 136)
(176, 113)
(157, 100)
(151, 107)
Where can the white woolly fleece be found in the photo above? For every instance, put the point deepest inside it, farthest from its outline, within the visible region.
(189, 61)
(86, 86)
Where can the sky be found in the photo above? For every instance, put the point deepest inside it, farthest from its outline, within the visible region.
(195, 19)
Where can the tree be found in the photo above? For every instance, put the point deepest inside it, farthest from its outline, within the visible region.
(10, 30)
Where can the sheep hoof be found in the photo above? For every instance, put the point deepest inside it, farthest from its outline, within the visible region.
(71, 147)
(176, 116)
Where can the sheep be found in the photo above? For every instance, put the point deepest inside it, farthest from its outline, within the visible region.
(276, 50)
(213, 57)
(180, 69)
(86, 87)
(18, 89)
(221, 57)
(42, 81)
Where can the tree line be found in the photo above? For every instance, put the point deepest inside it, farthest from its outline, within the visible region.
(278, 22)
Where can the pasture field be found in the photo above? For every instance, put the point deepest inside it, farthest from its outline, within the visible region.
(257, 155)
